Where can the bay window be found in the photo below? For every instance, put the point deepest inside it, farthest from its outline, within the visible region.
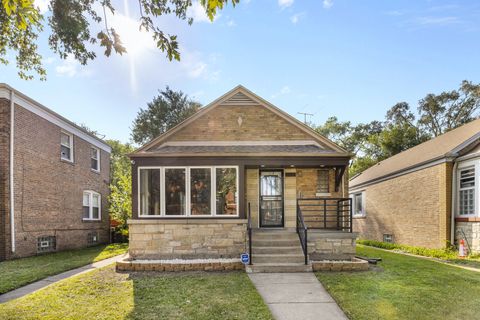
(187, 191)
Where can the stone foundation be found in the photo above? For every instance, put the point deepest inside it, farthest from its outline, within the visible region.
(349, 265)
(179, 265)
(324, 245)
(186, 238)
(472, 234)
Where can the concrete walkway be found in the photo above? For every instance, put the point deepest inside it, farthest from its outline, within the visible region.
(296, 296)
(30, 288)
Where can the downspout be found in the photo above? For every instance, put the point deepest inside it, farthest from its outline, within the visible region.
(453, 205)
(12, 199)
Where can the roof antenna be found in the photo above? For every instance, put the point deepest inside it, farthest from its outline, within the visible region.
(305, 116)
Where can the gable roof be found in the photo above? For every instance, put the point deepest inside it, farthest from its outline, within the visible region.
(238, 96)
(446, 146)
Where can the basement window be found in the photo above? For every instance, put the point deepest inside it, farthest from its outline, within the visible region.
(92, 238)
(46, 244)
(388, 238)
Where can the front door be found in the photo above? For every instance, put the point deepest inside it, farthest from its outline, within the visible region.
(271, 198)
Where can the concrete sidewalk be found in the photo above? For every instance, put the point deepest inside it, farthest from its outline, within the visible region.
(296, 296)
(30, 288)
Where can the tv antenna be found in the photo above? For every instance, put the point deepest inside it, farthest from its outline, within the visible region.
(305, 114)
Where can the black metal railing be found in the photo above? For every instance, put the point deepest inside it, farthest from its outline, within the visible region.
(249, 231)
(302, 231)
(326, 213)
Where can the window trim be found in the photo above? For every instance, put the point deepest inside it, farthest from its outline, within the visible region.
(71, 147)
(90, 210)
(213, 191)
(364, 211)
(475, 164)
(98, 159)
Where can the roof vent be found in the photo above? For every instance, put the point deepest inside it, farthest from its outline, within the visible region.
(239, 99)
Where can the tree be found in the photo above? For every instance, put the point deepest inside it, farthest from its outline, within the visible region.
(166, 110)
(120, 198)
(73, 24)
(450, 109)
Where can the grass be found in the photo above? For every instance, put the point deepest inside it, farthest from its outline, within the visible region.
(405, 287)
(448, 254)
(19, 272)
(105, 294)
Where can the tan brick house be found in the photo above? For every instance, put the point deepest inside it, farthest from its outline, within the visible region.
(53, 180)
(425, 196)
(237, 162)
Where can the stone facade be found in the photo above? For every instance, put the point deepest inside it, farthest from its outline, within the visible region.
(172, 266)
(349, 265)
(49, 191)
(187, 238)
(331, 245)
(415, 208)
(471, 232)
(221, 124)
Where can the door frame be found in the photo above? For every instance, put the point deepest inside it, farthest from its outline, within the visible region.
(282, 171)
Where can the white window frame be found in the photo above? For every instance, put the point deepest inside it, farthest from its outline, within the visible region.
(98, 159)
(90, 210)
(475, 164)
(188, 214)
(70, 147)
(364, 212)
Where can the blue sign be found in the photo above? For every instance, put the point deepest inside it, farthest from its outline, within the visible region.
(245, 258)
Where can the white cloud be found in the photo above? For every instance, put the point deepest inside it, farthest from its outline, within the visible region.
(231, 23)
(197, 12)
(285, 90)
(296, 17)
(327, 4)
(285, 3)
(396, 13)
(71, 68)
(42, 5)
(196, 67)
(438, 21)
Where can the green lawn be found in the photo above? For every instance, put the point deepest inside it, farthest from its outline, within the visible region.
(19, 272)
(105, 294)
(403, 287)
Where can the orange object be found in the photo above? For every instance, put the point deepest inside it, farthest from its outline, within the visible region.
(462, 251)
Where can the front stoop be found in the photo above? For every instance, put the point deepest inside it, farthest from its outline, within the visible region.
(276, 251)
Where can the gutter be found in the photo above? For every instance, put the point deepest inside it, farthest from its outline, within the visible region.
(12, 184)
(453, 205)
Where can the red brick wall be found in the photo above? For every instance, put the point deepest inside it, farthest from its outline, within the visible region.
(4, 163)
(48, 191)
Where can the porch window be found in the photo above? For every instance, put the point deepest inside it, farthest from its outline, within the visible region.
(91, 205)
(466, 192)
(226, 180)
(200, 191)
(358, 203)
(187, 191)
(323, 181)
(175, 197)
(149, 192)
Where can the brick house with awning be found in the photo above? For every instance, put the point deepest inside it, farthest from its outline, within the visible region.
(240, 164)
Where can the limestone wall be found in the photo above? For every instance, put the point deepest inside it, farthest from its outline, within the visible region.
(472, 234)
(331, 245)
(187, 238)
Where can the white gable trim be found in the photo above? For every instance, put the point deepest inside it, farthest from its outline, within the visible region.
(51, 117)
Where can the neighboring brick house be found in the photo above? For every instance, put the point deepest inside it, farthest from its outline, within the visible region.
(425, 196)
(192, 187)
(58, 198)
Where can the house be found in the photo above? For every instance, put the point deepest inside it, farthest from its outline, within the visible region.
(425, 196)
(241, 164)
(54, 179)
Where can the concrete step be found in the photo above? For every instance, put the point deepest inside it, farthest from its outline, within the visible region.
(275, 235)
(277, 250)
(278, 258)
(275, 242)
(278, 267)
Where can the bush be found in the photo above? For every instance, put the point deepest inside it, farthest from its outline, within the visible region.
(447, 253)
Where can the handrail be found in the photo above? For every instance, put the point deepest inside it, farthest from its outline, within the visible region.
(327, 213)
(301, 226)
(249, 230)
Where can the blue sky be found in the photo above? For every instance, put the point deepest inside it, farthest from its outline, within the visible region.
(352, 59)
